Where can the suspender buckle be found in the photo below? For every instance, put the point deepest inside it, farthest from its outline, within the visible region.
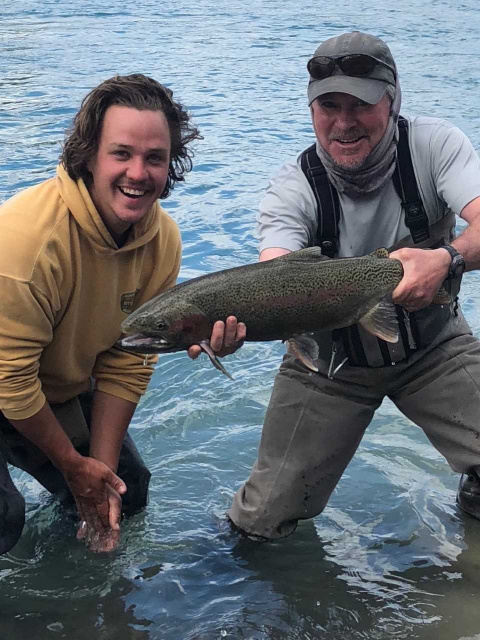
(417, 221)
(328, 246)
(414, 209)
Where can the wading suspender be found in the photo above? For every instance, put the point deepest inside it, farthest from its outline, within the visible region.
(328, 209)
(328, 206)
(407, 189)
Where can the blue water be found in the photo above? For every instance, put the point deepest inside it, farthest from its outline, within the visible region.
(391, 557)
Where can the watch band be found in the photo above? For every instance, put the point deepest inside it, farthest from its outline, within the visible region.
(457, 264)
(451, 250)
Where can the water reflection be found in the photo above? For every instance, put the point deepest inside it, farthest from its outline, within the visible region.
(334, 578)
(325, 596)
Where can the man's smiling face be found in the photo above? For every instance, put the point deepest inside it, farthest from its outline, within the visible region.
(130, 168)
(347, 128)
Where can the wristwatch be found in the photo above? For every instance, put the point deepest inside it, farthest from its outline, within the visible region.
(457, 265)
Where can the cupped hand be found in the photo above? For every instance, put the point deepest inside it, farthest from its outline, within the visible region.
(103, 539)
(97, 492)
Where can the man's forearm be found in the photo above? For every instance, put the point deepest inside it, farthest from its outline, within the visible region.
(468, 242)
(110, 420)
(44, 431)
(270, 254)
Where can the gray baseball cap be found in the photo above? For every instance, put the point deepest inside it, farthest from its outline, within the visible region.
(370, 88)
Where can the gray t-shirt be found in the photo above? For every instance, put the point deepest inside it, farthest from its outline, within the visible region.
(447, 169)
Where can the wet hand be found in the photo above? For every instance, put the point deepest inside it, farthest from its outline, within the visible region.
(97, 492)
(103, 539)
(226, 338)
(423, 273)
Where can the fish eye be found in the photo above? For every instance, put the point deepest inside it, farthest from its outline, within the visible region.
(161, 325)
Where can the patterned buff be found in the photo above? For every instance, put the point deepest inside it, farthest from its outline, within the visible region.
(379, 165)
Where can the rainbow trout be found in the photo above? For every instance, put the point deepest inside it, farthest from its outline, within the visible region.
(280, 299)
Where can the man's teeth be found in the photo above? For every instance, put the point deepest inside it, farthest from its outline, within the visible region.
(132, 192)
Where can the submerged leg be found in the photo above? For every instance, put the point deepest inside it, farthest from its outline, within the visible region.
(443, 398)
(312, 429)
(12, 510)
(468, 496)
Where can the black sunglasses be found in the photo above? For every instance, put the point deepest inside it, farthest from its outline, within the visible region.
(356, 65)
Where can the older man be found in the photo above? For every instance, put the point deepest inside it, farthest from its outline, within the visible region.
(371, 180)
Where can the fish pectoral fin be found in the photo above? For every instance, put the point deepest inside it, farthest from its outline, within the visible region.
(305, 349)
(380, 253)
(205, 346)
(382, 321)
(442, 297)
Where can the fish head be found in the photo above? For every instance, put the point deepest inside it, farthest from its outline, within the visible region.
(164, 328)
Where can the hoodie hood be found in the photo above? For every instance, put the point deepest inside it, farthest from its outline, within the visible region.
(77, 199)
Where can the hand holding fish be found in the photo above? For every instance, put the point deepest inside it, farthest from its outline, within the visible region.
(423, 274)
(226, 338)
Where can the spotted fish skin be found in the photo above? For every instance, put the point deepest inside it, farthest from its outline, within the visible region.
(297, 293)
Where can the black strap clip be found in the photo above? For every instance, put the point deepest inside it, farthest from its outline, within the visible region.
(328, 246)
(416, 217)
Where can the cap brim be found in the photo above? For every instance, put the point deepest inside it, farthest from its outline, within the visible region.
(366, 89)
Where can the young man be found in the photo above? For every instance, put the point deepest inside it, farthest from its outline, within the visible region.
(77, 254)
(346, 195)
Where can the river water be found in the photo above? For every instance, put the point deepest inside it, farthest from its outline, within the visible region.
(391, 557)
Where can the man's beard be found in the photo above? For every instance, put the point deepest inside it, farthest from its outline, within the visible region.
(359, 176)
(348, 163)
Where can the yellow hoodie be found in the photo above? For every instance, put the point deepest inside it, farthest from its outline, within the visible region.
(65, 288)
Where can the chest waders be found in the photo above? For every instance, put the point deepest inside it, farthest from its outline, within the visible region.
(416, 329)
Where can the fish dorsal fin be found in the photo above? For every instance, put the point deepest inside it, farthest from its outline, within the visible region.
(305, 349)
(311, 254)
(380, 253)
(314, 254)
(382, 321)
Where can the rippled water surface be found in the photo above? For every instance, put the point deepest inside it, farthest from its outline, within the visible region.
(391, 557)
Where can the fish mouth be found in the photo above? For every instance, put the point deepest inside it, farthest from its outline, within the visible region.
(142, 343)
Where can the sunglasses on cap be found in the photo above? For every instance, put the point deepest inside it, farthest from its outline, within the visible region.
(355, 64)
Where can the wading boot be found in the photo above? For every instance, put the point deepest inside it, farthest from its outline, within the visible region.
(468, 496)
(12, 510)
